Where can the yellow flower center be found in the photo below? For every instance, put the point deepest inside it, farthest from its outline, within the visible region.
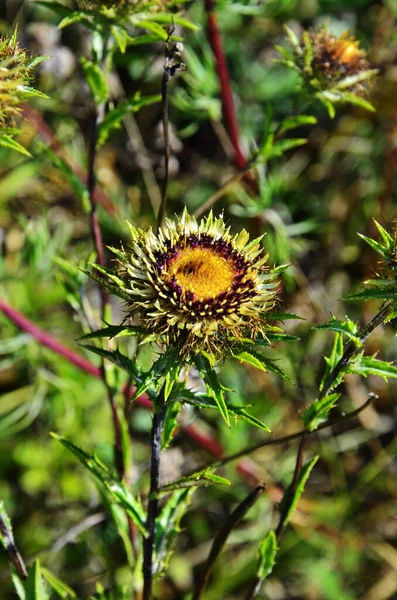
(203, 272)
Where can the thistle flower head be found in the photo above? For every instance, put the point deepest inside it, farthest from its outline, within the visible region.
(195, 285)
(335, 68)
(14, 73)
(335, 58)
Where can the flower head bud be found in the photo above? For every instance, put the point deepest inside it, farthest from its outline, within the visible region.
(14, 73)
(335, 67)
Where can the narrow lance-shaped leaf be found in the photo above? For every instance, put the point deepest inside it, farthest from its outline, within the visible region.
(291, 496)
(199, 479)
(214, 387)
(205, 401)
(117, 490)
(347, 327)
(170, 423)
(267, 556)
(317, 412)
(167, 527)
(369, 365)
(260, 362)
(96, 81)
(34, 585)
(332, 361)
(63, 590)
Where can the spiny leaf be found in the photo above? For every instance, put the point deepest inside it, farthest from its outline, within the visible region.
(317, 412)
(260, 362)
(170, 423)
(348, 328)
(168, 366)
(112, 331)
(369, 365)
(205, 401)
(291, 496)
(117, 490)
(168, 526)
(378, 294)
(119, 359)
(214, 387)
(332, 361)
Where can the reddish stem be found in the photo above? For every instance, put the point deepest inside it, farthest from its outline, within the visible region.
(211, 445)
(215, 40)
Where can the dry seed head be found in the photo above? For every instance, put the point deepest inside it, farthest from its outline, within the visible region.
(335, 58)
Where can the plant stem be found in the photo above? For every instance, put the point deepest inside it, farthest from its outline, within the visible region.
(14, 557)
(215, 40)
(351, 350)
(165, 120)
(148, 544)
(222, 536)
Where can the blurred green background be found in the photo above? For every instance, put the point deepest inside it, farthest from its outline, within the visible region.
(341, 544)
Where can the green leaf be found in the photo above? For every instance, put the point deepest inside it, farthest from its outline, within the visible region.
(297, 121)
(260, 362)
(204, 401)
(357, 101)
(170, 423)
(168, 366)
(63, 590)
(173, 19)
(199, 479)
(317, 412)
(267, 556)
(57, 7)
(332, 361)
(117, 490)
(377, 246)
(377, 294)
(7, 141)
(387, 238)
(369, 365)
(30, 92)
(114, 117)
(282, 316)
(214, 387)
(113, 331)
(167, 528)
(348, 328)
(279, 148)
(77, 16)
(34, 585)
(119, 359)
(73, 180)
(96, 81)
(291, 496)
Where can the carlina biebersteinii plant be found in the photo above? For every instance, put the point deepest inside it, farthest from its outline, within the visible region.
(336, 67)
(197, 290)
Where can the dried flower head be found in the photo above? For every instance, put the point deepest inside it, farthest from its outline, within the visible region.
(194, 285)
(336, 68)
(335, 58)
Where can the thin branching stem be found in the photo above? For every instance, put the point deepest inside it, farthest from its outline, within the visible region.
(222, 535)
(165, 120)
(14, 557)
(148, 544)
(350, 352)
(96, 235)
